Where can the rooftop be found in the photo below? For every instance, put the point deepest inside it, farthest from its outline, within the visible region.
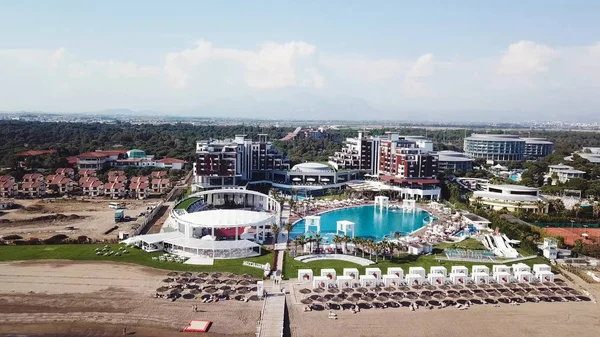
(494, 137)
(453, 156)
(312, 167)
(507, 197)
(224, 218)
(519, 188)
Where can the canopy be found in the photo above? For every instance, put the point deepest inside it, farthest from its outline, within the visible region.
(310, 179)
(296, 179)
(324, 179)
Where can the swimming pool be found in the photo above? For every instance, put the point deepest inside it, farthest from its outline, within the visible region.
(369, 222)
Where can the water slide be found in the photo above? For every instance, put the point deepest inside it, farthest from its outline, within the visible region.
(507, 250)
(493, 247)
(509, 240)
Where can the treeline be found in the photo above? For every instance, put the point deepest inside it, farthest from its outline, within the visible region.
(166, 140)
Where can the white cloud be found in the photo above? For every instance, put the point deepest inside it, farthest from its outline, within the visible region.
(526, 57)
(414, 81)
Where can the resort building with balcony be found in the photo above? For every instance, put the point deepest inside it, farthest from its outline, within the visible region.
(562, 173)
(360, 153)
(503, 147)
(454, 161)
(511, 197)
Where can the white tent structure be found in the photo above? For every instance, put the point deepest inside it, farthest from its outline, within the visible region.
(414, 279)
(500, 268)
(396, 271)
(322, 282)
(382, 202)
(459, 270)
(524, 276)
(418, 271)
(368, 281)
(438, 270)
(312, 223)
(436, 279)
(458, 278)
(352, 272)
(480, 278)
(537, 268)
(345, 227)
(502, 277)
(545, 276)
(391, 280)
(374, 272)
(329, 273)
(519, 267)
(344, 281)
(305, 275)
(480, 269)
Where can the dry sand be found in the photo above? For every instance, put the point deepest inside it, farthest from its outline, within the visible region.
(99, 299)
(38, 218)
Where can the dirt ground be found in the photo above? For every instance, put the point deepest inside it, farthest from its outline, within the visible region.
(571, 235)
(100, 299)
(43, 218)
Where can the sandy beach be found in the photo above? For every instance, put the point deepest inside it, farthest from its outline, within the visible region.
(100, 299)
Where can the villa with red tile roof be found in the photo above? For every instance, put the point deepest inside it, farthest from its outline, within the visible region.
(139, 179)
(93, 188)
(59, 183)
(170, 163)
(33, 153)
(116, 173)
(117, 179)
(158, 174)
(84, 180)
(6, 178)
(66, 171)
(8, 188)
(161, 185)
(114, 190)
(87, 173)
(32, 177)
(33, 188)
(139, 190)
(99, 160)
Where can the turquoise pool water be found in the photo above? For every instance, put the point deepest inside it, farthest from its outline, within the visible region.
(369, 222)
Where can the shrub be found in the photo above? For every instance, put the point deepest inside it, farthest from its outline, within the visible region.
(12, 237)
(59, 238)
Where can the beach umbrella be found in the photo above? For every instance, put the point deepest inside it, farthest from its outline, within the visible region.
(173, 273)
(353, 299)
(210, 290)
(230, 275)
(195, 291)
(367, 298)
(337, 299)
(186, 274)
(162, 289)
(329, 296)
(320, 299)
(254, 298)
(304, 291)
(188, 296)
(382, 298)
(430, 287)
(306, 301)
(213, 282)
(175, 291)
(200, 280)
(318, 290)
(168, 280)
(225, 288)
(230, 282)
(396, 298)
(389, 289)
(247, 276)
(245, 282)
(362, 290)
(347, 290)
(216, 275)
(439, 296)
(333, 290)
(243, 290)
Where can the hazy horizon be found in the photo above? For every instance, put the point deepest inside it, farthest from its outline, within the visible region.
(479, 61)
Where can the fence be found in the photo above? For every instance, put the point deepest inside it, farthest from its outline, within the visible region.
(148, 219)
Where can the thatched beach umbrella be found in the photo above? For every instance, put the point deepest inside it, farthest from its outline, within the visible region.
(389, 289)
(186, 274)
(304, 291)
(210, 290)
(254, 298)
(162, 289)
(175, 291)
(329, 296)
(347, 290)
(396, 298)
(216, 275)
(168, 280)
(333, 290)
(195, 291)
(172, 273)
(245, 282)
(362, 290)
(430, 287)
(337, 299)
(230, 282)
(353, 299)
(306, 301)
(382, 298)
(403, 288)
(318, 290)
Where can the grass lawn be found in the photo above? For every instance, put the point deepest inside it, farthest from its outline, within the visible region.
(291, 266)
(186, 203)
(465, 244)
(86, 252)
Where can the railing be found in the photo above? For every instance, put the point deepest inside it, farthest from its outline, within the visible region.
(148, 218)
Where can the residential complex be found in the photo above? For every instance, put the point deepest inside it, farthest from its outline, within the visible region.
(592, 154)
(100, 160)
(454, 161)
(562, 173)
(501, 147)
(511, 197)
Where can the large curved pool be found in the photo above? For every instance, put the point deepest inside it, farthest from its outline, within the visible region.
(370, 223)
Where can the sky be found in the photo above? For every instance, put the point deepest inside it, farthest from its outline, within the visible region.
(394, 59)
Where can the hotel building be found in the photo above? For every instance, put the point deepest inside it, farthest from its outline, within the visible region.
(360, 153)
(511, 197)
(454, 161)
(501, 147)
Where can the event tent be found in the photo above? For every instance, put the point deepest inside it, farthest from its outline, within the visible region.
(502, 277)
(391, 280)
(480, 278)
(480, 269)
(344, 281)
(322, 282)
(524, 276)
(459, 270)
(396, 271)
(436, 279)
(545, 276)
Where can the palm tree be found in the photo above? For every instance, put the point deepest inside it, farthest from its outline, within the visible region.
(275, 230)
(336, 239)
(346, 239)
(577, 209)
(596, 209)
(302, 241)
(317, 239)
(356, 242)
(288, 228)
(557, 205)
(540, 205)
(519, 206)
(371, 245)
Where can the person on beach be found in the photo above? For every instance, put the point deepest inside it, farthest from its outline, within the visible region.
(124, 331)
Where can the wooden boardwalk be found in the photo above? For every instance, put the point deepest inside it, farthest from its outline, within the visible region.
(272, 317)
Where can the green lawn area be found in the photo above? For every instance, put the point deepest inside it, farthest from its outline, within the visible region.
(86, 252)
(405, 261)
(466, 244)
(186, 203)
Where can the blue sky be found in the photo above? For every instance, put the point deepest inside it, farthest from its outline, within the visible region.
(397, 56)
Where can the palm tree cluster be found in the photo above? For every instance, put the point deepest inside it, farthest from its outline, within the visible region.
(366, 246)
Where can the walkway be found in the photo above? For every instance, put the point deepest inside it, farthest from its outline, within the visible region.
(272, 316)
(350, 258)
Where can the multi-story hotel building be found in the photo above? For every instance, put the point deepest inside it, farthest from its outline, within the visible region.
(454, 161)
(360, 153)
(227, 163)
(501, 147)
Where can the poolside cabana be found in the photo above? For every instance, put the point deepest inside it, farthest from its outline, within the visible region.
(312, 223)
(396, 271)
(352, 272)
(524, 276)
(368, 281)
(345, 227)
(500, 268)
(321, 282)
(344, 281)
(382, 202)
(545, 276)
(436, 279)
(480, 269)
(414, 279)
(480, 278)
(438, 270)
(458, 278)
(459, 270)
(373, 271)
(305, 275)
(538, 268)
(520, 267)
(329, 273)
(418, 271)
(502, 277)
(391, 280)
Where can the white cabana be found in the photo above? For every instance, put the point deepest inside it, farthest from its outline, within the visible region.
(312, 223)
(345, 227)
(310, 179)
(325, 179)
(502, 277)
(374, 272)
(480, 269)
(344, 281)
(305, 275)
(436, 279)
(382, 202)
(396, 271)
(458, 278)
(417, 270)
(438, 270)
(500, 268)
(321, 282)
(391, 280)
(296, 179)
(329, 273)
(545, 276)
(480, 278)
(537, 268)
(352, 272)
(524, 276)
(368, 281)
(414, 279)
(520, 267)
(459, 270)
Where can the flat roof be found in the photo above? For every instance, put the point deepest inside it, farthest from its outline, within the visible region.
(157, 237)
(507, 197)
(495, 137)
(212, 244)
(514, 188)
(475, 217)
(225, 218)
